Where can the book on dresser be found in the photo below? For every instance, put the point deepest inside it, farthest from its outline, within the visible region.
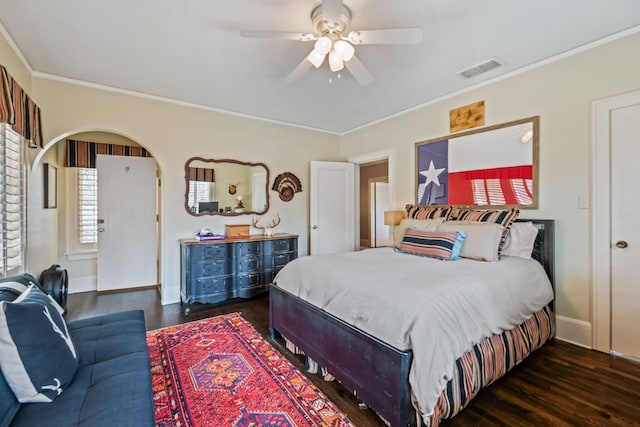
(213, 271)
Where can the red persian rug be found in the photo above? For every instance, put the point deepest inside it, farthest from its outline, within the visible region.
(221, 372)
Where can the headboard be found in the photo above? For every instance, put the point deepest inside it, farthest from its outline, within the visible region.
(543, 248)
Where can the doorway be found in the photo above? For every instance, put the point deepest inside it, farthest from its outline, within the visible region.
(374, 178)
(616, 228)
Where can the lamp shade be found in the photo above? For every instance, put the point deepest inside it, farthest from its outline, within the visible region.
(393, 217)
(315, 58)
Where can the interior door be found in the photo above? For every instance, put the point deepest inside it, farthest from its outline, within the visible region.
(127, 224)
(380, 203)
(332, 207)
(625, 231)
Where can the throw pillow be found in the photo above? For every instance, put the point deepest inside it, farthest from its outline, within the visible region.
(444, 245)
(37, 357)
(482, 238)
(520, 240)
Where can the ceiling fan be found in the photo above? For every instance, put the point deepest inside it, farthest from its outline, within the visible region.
(331, 19)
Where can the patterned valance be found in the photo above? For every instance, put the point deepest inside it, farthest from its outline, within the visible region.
(82, 154)
(202, 174)
(19, 110)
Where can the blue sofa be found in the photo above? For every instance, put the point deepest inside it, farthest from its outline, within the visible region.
(111, 386)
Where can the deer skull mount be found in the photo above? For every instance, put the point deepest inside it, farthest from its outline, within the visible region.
(267, 230)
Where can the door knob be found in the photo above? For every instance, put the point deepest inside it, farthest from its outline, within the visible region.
(621, 244)
(101, 229)
(315, 227)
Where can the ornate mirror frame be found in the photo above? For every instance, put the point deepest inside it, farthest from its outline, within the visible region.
(228, 186)
(492, 167)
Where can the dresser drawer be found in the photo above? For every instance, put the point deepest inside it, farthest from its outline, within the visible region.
(249, 248)
(208, 269)
(284, 245)
(209, 252)
(212, 286)
(249, 280)
(248, 265)
(280, 260)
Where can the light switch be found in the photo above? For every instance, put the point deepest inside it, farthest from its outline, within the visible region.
(583, 202)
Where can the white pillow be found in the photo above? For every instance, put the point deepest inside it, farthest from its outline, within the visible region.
(483, 238)
(418, 224)
(520, 240)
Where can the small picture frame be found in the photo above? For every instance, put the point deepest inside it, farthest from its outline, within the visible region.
(50, 186)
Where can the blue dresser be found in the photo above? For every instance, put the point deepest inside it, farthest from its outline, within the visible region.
(217, 270)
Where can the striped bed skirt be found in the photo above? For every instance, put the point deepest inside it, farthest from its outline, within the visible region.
(479, 367)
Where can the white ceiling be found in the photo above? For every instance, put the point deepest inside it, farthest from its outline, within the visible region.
(191, 50)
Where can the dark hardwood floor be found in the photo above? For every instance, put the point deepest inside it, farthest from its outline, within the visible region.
(559, 385)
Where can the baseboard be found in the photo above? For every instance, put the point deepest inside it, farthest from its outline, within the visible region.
(82, 284)
(574, 331)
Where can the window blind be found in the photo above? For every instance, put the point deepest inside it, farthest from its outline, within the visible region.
(12, 202)
(87, 205)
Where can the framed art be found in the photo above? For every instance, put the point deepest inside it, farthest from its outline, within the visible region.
(496, 166)
(50, 186)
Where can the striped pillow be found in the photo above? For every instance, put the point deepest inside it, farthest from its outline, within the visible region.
(503, 217)
(444, 245)
(426, 212)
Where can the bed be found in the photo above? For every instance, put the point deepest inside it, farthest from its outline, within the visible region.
(386, 375)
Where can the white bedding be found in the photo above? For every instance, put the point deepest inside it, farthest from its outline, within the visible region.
(438, 309)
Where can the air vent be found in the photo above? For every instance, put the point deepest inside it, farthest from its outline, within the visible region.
(489, 65)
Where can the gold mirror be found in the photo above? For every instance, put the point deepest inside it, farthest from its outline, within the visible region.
(225, 187)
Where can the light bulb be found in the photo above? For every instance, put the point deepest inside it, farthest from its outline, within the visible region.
(344, 49)
(323, 45)
(335, 62)
(315, 58)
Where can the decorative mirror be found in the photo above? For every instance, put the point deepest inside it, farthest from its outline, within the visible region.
(496, 166)
(225, 187)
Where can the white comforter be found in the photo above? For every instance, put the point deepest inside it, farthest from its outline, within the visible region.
(438, 309)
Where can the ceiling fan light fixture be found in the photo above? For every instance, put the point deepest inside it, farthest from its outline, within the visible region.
(344, 49)
(315, 58)
(336, 63)
(323, 45)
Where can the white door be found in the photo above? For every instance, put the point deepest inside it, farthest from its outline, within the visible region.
(127, 224)
(625, 231)
(332, 207)
(259, 196)
(380, 203)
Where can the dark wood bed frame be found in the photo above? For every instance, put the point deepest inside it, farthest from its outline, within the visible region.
(375, 371)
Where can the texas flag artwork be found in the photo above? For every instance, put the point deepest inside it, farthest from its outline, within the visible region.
(485, 168)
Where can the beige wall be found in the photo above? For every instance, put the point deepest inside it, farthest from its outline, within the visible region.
(561, 93)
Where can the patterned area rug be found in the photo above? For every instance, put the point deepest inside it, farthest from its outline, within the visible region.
(221, 372)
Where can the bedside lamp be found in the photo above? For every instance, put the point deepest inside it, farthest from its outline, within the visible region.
(393, 218)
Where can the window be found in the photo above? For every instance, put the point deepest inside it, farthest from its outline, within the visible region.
(199, 191)
(87, 205)
(12, 202)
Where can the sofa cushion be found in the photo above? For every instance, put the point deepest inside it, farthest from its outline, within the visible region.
(113, 383)
(37, 357)
(10, 289)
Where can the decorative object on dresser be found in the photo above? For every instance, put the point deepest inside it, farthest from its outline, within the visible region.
(286, 184)
(215, 271)
(268, 230)
(232, 231)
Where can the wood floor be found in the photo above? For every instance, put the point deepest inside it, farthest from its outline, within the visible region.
(559, 385)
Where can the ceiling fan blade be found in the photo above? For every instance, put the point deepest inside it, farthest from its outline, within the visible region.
(281, 35)
(359, 71)
(300, 69)
(331, 12)
(411, 35)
